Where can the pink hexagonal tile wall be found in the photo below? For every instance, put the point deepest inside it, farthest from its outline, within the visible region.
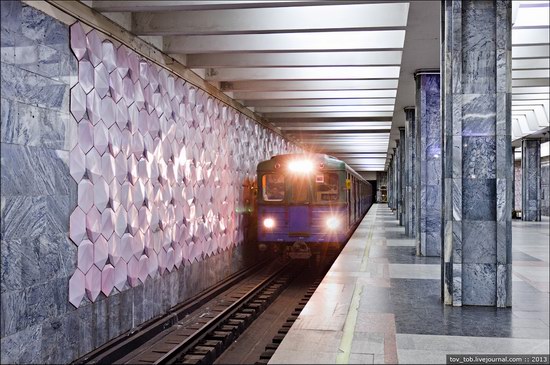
(159, 166)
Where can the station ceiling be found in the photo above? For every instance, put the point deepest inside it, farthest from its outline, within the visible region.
(334, 75)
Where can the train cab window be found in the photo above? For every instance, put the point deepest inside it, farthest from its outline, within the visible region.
(326, 187)
(300, 190)
(273, 187)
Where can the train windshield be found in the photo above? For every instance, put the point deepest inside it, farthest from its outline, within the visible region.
(300, 190)
(326, 187)
(273, 187)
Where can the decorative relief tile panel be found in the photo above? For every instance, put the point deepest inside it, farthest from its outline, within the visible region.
(159, 166)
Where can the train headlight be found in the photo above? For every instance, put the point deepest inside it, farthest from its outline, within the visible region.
(301, 166)
(333, 223)
(269, 223)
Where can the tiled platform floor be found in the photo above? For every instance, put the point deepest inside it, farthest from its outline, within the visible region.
(380, 303)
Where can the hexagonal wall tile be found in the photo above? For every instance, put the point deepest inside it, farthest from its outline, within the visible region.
(109, 56)
(133, 62)
(121, 114)
(122, 60)
(114, 194)
(93, 283)
(101, 137)
(86, 75)
(144, 218)
(126, 246)
(138, 194)
(139, 244)
(107, 279)
(85, 195)
(108, 111)
(77, 226)
(170, 259)
(101, 80)
(115, 140)
(115, 86)
(94, 46)
(126, 142)
(126, 195)
(121, 222)
(85, 256)
(152, 264)
(77, 163)
(121, 275)
(78, 40)
(139, 98)
(128, 90)
(108, 167)
(77, 288)
(137, 145)
(113, 246)
(85, 135)
(93, 224)
(93, 165)
(121, 168)
(93, 107)
(132, 169)
(133, 226)
(78, 102)
(133, 272)
(143, 270)
(101, 194)
(101, 252)
(107, 223)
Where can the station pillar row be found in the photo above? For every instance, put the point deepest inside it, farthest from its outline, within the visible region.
(477, 161)
(530, 180)
(428, 171)
(410, 165)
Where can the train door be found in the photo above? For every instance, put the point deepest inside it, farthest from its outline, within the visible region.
(299, 216)
(348, 199)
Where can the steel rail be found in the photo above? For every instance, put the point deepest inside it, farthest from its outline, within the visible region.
(171, 356)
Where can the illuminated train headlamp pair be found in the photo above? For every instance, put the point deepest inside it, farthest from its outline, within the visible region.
(332, 223)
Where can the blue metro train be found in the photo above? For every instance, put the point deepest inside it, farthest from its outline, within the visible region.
(310, 199)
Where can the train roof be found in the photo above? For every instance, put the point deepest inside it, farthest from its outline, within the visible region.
(330, 162)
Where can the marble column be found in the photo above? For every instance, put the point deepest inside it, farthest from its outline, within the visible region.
(530, 180)
(397, 178)
(476, 99)
(410, 148)
(428, 173)
(390, 183)
(402, 177)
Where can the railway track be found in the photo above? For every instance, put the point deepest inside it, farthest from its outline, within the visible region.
(200, 330)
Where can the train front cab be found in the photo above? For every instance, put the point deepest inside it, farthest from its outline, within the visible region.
(315, 204)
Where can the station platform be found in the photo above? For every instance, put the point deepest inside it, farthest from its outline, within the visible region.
(379, 303)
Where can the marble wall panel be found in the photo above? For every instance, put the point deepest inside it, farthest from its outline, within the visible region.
(427, 176)
(517, 185)
(531, 198)
(545, 187)
(410, 165)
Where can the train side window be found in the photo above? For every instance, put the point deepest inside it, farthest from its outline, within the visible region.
(326, 186)
(273, 187)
